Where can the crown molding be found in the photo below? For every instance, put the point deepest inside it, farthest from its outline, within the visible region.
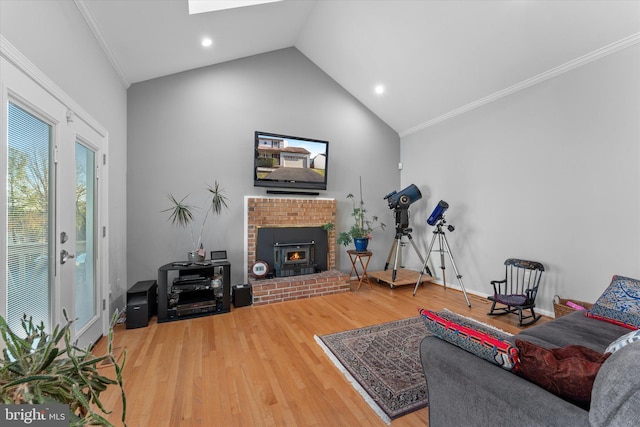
(15, 57)
(554, 72)
(93, 26)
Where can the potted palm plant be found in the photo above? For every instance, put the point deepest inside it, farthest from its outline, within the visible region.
(181, 214)
(363, 226)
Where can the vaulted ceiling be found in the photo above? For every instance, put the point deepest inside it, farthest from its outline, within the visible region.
(435, 59)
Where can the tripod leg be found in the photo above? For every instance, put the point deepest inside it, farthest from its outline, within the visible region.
(395, 264)
(391, 252)
(458, 275)
(442, 265)
(424, 265)
(415, 248)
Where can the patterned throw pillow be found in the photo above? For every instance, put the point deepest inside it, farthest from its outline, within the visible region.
(623, 340)
(567, 372)
(620, 302)
(482, 344)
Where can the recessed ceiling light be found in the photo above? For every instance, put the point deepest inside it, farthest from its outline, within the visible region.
(379, 89)
(206, 42)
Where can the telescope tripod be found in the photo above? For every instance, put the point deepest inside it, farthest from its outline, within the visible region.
(443, 245)
(395, 250)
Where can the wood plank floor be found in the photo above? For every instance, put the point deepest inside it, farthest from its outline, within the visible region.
(260, 366)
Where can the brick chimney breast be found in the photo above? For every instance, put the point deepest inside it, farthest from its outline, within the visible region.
(293, 212)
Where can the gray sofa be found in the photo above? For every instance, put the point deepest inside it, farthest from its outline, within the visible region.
(465, 390)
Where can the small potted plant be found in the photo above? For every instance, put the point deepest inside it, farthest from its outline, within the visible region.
(360, 231)
(181, 215)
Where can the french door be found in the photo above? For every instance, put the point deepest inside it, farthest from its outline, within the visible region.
(52, 210)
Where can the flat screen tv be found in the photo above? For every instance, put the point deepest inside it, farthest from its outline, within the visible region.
(284, 161)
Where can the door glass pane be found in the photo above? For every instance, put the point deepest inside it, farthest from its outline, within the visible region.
(28, 207)
(85, 230)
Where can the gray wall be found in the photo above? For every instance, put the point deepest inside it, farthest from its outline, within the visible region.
(54, 36)
(189, 129)
(550, 173)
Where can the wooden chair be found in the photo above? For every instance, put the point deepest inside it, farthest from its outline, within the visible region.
(518, 290)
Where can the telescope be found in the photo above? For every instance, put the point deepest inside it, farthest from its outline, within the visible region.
(438, 212)
(404, 198)
(399, 201)
(437, 219)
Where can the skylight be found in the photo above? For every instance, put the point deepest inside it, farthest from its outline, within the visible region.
(202, 6)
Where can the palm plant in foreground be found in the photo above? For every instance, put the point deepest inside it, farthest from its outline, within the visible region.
(45, 368)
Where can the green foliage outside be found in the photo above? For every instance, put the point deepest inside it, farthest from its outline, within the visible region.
(264, 162)
(28, 198)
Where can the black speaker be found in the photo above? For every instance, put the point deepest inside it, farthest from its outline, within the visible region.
(141, 303)
(137, 312)
(241, 295)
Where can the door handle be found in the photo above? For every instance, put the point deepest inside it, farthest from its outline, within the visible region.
(65, 256)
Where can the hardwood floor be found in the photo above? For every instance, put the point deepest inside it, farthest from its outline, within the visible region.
(260, 366)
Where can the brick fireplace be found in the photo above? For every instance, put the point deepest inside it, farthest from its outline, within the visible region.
(292, 212)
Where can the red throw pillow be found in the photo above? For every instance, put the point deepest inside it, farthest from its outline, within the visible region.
(568, 372)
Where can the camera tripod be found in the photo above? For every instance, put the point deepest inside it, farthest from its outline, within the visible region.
(402, 229)
(443, 245)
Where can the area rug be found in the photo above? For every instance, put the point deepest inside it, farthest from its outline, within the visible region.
(382, 362)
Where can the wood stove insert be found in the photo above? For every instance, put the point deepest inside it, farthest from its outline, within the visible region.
(294, 259)
(292, 251)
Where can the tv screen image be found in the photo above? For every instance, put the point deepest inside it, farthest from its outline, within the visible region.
(290, 161)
